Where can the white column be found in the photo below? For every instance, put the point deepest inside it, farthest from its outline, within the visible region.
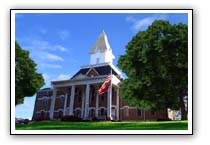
(71, 106)
(52, 105)
(83, 103)
(65, 103)
(87, 95)
(109, 102)
(96, 105)
(118, 103)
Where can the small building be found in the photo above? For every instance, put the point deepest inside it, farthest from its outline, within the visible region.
(78, 96)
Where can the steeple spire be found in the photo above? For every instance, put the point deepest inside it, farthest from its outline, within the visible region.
(101, 51)
(101, 44)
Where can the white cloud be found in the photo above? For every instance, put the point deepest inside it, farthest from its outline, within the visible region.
(62, 77)
(47, 79)
(59, 47)
(46, 76)
(40, 44)
(47, 65)
(44, 45)
(45, 56)
(63, 34)
(52, 57)
(142, 24)
(130, 19)
(41, 52)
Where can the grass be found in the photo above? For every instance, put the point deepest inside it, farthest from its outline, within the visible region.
(58, 125)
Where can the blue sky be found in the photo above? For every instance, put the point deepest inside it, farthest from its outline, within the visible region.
(59, 43)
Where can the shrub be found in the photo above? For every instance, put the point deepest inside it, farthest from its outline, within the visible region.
(94, 119)
(108, 119)
(26, 121)
(42, 118)
(19, 121)
(70, 118)
(163, 119)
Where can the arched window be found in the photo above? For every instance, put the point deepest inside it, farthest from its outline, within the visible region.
(102, 97)
(44, 102)
(126, 111)
(78, 113)
(139, 112)
(61, 100)
(60, 114)
(42, 114)
(92, 113)
(79, 99)
(92, 98)
(102, 112)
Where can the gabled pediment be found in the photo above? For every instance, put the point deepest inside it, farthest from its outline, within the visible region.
(80, 76)
(92, 72)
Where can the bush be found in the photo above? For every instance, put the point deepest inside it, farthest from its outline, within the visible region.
(26, 121)
(19, 121)
(108, 119)
(95, 119)
(163, 119)
(70, 118)
(42, 118)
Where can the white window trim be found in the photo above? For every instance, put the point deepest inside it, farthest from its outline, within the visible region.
(78, 108)
(102, 108)
(114, 106)
(90, 108)
(58, 110)
(41, 111)
(61, 96)
(45, 97)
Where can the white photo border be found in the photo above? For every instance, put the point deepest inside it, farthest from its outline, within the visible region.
(13, 131)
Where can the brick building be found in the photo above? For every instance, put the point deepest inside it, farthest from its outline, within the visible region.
(78, 95)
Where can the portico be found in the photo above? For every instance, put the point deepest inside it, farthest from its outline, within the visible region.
(84, 97)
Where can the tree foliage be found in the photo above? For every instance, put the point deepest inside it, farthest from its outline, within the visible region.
(156, 64)
(27, 80)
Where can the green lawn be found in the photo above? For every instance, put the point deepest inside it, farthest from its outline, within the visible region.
(58, 125)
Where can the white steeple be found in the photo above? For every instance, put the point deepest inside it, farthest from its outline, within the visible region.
(101, 51)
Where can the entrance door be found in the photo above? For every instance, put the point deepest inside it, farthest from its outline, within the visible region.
(114, 114)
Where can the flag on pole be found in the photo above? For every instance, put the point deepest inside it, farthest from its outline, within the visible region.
(106, 85)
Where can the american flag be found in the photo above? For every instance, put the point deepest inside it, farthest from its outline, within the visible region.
(106, 85)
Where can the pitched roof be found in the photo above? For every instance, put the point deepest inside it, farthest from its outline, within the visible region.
(102, 70)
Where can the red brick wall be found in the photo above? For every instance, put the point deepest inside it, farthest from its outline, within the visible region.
(149, 115)
(102, 103)
(38, 116)
(59, 104)
(92, 99)
(114, 96)
(132, 112)
(39, 104)
(44, 93)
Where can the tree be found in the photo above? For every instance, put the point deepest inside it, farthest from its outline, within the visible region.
(27, 80)
(156, 64)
